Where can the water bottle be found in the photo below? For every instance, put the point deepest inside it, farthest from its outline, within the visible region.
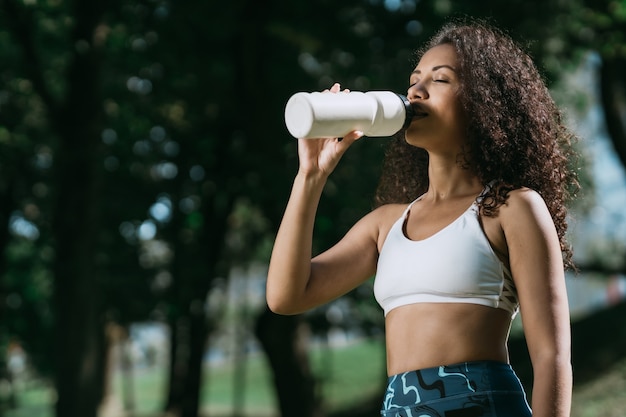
(332, 115)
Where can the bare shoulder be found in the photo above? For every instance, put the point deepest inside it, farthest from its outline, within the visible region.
(524, 196)
(390, 211)
(522, 204)
(375, 225)
(384, 217)
(526, 215)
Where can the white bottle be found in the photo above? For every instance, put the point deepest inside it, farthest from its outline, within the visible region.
(331, 115)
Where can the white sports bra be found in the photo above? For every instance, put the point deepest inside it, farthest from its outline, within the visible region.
(455, 265)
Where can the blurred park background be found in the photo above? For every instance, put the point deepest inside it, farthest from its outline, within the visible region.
(144, 167)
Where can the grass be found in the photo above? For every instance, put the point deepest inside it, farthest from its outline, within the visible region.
(351, 373)
(604, 396)
(346, 375)
(34, 399)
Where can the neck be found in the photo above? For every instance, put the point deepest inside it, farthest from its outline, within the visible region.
(448, 180)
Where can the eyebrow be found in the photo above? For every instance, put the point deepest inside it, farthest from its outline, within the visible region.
(435, 68)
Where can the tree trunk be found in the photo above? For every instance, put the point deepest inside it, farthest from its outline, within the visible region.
(192, 327)
(613, 96)
(188, 338)
(80, 332)
(284, 340)
(198, 333)
(175, 375)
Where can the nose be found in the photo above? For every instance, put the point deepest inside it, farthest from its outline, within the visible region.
(417, 91)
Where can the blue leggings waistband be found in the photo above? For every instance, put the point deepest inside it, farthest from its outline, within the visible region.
(483, 388)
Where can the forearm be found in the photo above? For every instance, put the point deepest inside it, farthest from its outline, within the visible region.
(552, 388)
(290, 263)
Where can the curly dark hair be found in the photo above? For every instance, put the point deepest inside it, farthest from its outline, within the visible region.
(516, 135)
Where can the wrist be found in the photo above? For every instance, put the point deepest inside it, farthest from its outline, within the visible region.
(310, 184)
(312, 178)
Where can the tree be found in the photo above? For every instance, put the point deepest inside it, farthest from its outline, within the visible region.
(74, 216)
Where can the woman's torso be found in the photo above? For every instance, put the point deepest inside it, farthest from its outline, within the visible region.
(427, 334)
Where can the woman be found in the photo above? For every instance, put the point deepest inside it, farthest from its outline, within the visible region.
(484, 166)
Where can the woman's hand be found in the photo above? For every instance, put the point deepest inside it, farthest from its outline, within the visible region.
(320, 156)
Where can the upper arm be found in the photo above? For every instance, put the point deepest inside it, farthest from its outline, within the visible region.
(345, 265)
(537, 267)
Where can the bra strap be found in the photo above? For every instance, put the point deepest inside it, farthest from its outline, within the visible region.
(406, 210)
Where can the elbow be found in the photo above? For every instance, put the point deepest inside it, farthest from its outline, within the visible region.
(558, 352)
(282, 296)
(280, 310)
(559, 361)
(276, 306)
(281, 305)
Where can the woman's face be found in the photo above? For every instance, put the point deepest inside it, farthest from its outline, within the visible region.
(440, 122)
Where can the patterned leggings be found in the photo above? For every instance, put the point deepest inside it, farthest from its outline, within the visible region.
(471, 389)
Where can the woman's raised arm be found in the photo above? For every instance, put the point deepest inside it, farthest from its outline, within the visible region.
(296, 283)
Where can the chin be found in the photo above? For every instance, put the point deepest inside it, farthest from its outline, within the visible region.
(414, 138)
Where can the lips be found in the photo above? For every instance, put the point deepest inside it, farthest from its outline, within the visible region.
(418, 111)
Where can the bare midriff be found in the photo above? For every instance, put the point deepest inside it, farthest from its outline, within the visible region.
(425, 335)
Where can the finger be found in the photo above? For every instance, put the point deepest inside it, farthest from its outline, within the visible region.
(350, 138)
(335, 88)
(354, 135)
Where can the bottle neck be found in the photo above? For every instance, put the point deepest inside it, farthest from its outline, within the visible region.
(408, 110)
